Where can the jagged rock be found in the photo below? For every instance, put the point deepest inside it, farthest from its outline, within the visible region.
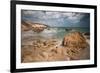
(75, 40)
(36, 27)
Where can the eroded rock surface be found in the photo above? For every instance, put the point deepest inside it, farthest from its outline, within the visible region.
(75, 40)
(36, 27)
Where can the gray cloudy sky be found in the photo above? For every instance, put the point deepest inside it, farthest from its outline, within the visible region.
(57, 19)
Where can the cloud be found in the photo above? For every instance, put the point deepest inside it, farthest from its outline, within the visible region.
(29, 12)
(53, 17)
(74, 17)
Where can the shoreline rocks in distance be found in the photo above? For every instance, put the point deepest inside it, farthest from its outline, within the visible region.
(36, 27)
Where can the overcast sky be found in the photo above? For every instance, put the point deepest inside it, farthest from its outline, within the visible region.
(57, 19)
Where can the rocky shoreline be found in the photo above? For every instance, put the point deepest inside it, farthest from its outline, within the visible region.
(36, 27)
(73, 46)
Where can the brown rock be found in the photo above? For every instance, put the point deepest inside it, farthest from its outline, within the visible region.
(86, 33)
(75, 40)
(25, 26)
(37, 27)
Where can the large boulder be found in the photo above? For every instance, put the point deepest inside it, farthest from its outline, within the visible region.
(75, 40)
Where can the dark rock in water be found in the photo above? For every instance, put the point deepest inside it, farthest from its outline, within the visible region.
(48, 28)
(75, 40)
(68, 29)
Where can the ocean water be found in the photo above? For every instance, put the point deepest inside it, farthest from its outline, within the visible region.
(54, 33)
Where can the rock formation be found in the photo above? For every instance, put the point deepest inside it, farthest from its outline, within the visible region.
(25, 26)
(36, 27)
(75, 40)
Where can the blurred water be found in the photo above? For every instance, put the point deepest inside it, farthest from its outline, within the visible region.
(56, 33)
